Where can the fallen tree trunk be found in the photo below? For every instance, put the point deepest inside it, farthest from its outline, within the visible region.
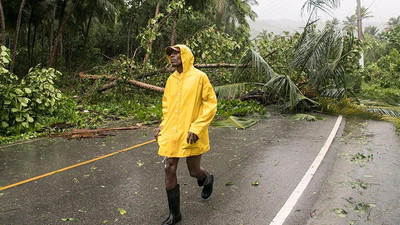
(149, 86)
(131, 81)
(99, 133)
(171, 69)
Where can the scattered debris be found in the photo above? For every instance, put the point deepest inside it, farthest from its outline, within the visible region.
(340, 212)
(360, 157)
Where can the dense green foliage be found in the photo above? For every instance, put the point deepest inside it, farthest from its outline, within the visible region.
(25, 103)
(236, 107)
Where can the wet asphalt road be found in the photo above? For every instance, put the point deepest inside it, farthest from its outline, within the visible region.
(128, 188)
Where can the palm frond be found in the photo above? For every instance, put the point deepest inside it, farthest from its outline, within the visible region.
(236, 122)
(321, 56)
(388, 111)
(327, 6)
(283, 87)
(230, 91)
(253, 68)
(345, 107)
(338, 93)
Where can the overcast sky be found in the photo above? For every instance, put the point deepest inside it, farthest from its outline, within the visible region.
(382, 10)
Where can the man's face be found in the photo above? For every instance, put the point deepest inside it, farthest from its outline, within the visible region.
(176, 58)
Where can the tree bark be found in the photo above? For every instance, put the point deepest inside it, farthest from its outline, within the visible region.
(128, 44)
(108, 86)
(359, 22)
(29, 33)
(51, 31)
(60, 30)
(146, 57)
(33, 44)
(3, 25)
(13, 52)
(87, 35)
(173, 35)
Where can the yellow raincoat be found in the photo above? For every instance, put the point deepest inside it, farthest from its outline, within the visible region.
(189, 105)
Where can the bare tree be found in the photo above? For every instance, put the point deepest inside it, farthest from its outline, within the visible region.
(16, 35)
(59, 34)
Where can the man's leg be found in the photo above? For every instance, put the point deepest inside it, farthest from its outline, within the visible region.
(173, 192)
(203, 177)
(195, 170)
(171, 164)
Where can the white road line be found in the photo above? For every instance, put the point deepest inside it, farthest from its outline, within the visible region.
(294, 197)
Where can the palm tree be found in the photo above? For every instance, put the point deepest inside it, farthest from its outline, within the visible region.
(318, 56)
(100, 10)
(233, 12)
(394, 22)
(332, 24)
(371, 30)
(350, 24)
(365, 14)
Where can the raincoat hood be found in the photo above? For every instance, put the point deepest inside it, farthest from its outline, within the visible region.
(186, 57)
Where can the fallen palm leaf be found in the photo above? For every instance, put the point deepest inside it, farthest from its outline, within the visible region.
(306, 117)
(236, 122)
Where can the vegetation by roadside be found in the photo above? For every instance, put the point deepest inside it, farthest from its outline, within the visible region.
(315, 70)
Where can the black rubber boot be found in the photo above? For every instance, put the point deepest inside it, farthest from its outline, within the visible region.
(207, 184)
(174, 206)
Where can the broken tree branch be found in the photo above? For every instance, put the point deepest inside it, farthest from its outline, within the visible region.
(108, 86)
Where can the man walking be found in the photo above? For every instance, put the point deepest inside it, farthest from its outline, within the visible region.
(189, 105)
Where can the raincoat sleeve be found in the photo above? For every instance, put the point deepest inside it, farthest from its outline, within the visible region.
(165, 104)
(207, 109)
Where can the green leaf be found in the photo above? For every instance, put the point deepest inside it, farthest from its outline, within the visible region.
(4, 124)
(27, 90)
(67, 219)
(19, 119)
(122, 211)
(255, 183)
(18, 91)
(25, 124)
(14, 110)
(229, 183)
(38, 100)
(30, 119)
(23, 100)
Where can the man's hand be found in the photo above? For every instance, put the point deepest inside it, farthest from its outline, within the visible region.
(192, 138)
(157, 133)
